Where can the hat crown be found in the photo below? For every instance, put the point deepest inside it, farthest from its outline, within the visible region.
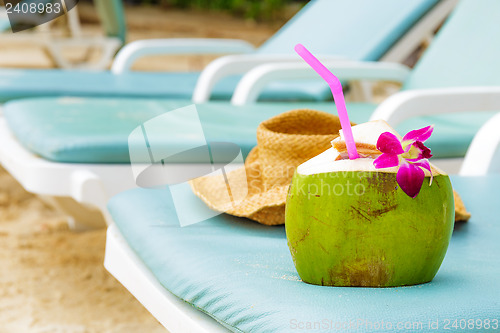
(291, 138)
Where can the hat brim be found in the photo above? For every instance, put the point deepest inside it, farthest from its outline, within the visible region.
(242, 193)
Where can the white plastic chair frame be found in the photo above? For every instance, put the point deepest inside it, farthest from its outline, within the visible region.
(483, 155)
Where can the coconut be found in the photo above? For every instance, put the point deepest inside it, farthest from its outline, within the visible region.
(350, 224)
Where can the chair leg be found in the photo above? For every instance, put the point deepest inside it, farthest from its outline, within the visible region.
(81, 217)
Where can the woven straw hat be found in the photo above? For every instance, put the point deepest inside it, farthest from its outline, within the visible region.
(283, 143)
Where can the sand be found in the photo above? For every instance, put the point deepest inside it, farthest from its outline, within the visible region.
(52, 279)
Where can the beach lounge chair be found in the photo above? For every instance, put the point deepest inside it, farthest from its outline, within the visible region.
(454, 78)
(232, 274)
(112, 18)
(96, 163)
(113, 22)
(371, 31)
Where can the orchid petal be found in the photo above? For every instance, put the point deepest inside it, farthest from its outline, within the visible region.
(386, 161)
(425, 152)
(417, 152)
(418, 135)
(388, 143)
(426, 165)
(410, 179)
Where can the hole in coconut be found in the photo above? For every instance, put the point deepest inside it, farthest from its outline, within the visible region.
(365, 150)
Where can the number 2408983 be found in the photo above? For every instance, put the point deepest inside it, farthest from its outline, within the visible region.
(33, 8)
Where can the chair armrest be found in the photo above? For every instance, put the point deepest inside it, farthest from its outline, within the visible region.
(135, 50)
(408, 104)
(238, 64)
(252, 84)
(483, 155)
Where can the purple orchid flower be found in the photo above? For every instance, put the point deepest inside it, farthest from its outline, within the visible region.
(411, 155)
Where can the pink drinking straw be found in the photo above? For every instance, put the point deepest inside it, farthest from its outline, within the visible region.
(338, 97)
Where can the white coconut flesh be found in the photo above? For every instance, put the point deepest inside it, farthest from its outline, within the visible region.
(365, 135)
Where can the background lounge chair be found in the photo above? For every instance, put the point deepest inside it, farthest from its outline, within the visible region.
(112, 18)
(370, 31)
(454, 80)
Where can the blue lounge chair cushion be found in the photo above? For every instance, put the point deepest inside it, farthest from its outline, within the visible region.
(464, 52)
(241, 273)
(20, 83)
(377, 26)
(96, 130)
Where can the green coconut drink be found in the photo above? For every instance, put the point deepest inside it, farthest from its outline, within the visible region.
(349, 223)
(360, 213)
